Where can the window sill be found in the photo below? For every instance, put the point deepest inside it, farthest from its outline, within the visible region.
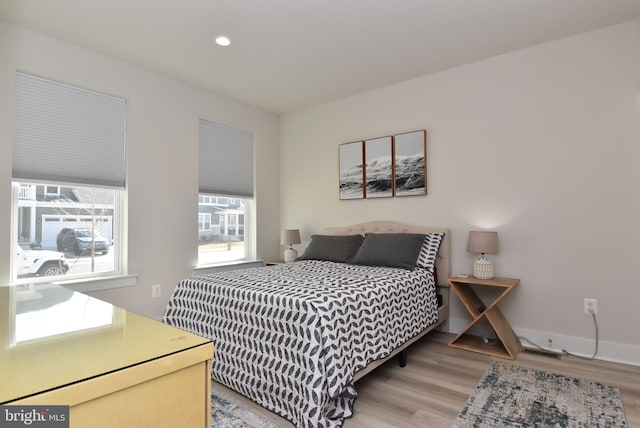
(99, 283)
(224, 266)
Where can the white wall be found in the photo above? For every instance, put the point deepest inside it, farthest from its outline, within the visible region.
(162, 158)
(541, 145)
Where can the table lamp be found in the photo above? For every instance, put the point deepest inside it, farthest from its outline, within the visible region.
(290, 237)
(483, 243)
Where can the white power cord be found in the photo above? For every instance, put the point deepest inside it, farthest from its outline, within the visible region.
(564, 351)
(595, 351)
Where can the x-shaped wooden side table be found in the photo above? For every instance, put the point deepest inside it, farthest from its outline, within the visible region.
(508, 345)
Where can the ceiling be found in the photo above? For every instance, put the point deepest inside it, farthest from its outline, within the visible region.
(290, 54)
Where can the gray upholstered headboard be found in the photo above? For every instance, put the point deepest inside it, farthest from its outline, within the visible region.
(443, 263)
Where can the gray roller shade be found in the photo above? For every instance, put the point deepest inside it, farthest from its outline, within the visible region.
(226, 160)
(65, 134)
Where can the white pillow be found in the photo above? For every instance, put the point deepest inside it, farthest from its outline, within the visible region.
(429, 251)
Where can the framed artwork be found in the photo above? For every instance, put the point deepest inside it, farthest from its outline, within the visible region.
(384, 167)
(351, 159)
(410, 163)
(378, 168)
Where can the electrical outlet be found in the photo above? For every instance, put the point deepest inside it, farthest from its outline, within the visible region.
(591, 306)
(156, 290)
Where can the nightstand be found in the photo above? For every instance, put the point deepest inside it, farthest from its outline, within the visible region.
(508, 345)
(273, 262)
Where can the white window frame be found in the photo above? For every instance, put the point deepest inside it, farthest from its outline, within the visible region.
(203, 199)
(48, 186)
(45, 111)
(105, 279)
(204, 219)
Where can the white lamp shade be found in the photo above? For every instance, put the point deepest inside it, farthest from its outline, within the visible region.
(482, 242)
(290, 236)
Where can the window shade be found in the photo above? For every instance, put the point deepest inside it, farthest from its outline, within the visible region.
(226, 160)
(67, 134)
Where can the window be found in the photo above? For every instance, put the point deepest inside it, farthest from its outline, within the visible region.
(68, 178)
(213, 200)
(82, 224)
(226, 194)
(221, 232)
(204, 222)
(52, 191)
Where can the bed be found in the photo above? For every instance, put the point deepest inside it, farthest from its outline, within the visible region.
(295, 337)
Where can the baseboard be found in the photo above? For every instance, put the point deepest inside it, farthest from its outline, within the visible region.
(584, 347)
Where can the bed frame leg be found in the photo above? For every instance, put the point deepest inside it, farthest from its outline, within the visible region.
(403, 358)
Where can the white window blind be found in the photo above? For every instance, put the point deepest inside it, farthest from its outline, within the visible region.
(226, 160)
(67, 134)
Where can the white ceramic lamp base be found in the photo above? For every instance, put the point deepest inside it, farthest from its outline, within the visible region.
(483, 269)
(290, 255)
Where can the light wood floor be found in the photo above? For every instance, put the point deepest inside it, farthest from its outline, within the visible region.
(435, 384)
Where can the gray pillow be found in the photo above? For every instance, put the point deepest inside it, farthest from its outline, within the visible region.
(333, 248)
(399, 250)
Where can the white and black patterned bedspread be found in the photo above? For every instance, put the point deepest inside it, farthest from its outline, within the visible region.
(291, 336)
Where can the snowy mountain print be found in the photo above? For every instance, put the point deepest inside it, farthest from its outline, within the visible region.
(410, 175)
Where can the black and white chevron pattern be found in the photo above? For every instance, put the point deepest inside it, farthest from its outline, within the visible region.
(429, 251)
(292, 336)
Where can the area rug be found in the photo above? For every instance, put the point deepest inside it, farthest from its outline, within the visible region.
(512, 396)
(225, 414)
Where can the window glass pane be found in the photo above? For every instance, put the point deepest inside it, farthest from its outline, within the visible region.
(204, 222)
(52, 190)
(221, 229)
(71, 234)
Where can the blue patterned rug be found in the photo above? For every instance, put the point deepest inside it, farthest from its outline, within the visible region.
(225, 414)
(514, 396)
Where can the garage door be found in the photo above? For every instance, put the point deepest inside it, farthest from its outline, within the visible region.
(52, 224)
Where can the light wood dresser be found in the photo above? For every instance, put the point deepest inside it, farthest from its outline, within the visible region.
(114, 368)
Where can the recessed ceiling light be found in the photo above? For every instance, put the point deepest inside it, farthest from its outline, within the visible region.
(223, 41)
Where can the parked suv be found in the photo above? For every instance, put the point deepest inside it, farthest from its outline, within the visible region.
(40, 263)
(79, 240)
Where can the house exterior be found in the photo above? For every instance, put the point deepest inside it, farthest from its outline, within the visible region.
(220, 219)
(45, 210)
